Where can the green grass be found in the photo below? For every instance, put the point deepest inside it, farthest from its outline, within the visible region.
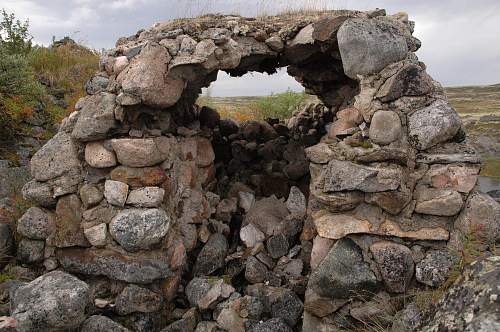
(475, 100)
(491, 167)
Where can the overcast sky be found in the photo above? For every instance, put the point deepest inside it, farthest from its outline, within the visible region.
(461, 38)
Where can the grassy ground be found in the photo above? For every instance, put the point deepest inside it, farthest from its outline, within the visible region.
(475, 101)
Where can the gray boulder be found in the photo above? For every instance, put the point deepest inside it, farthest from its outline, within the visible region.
(30, 251)
(343, 272)
(141, 152)
(54, 301)
(98, 323)
(96, 84)
(137, 299)
(36, 224)
(6, 242)
(385, 127)
(434, 268)
(395, 263)
(139, 269)
(146, 197)
(58, 157)
(480, 215)
(344, 175)
(146, 77)
(471, 304)
(39, 193)
(212, 255)
(136, 229)
(267, 214)
(368, 45)
(96, 118)
(432, 125)
(271, 325)
(438, 202)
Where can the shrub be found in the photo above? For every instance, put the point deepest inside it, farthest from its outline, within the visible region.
(281, 105)
(14, 35)
(19, 92)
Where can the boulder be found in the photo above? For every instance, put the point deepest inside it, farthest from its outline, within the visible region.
(205, 293)
(139, 177)
(6, 242)
(30, 251)
(251, 235)
(146, 77)
(54, 301)
(96, 155)
(277, 246)
(36, 224)
(296, 202)
(350, 114)
(99, 323)
(115, 192)
(471, 303)
(434, 268)
(321, 247)
(410, 80)
(141, 152)
(478, 218)
(212, 255)
(267, 215)
(385, 127)
(255, 270)
(68, 231)
(96, 235)
(40, 193)
(271, 325)
(432, 125)
(344, 175)
(90, 195)
(319, 153)
(137, 299)
(139, 269)
(58, 157)
(343, 272)
(461, 177)
(96, 118)
(146, 197)
(395, 263)
(439, 202)
(136, 229)
(368, 45)
(96, 84)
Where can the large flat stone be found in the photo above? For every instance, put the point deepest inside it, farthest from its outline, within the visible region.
(438, 202)
(344, 175)
(139, 269)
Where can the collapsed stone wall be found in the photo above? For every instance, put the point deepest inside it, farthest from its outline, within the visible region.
(173, 216)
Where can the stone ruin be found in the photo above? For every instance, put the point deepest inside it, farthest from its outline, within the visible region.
(174, 219)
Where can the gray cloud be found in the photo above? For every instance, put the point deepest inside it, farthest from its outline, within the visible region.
(460, 37)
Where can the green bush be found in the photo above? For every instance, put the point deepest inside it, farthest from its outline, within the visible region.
(19, 92)
(280, 106)
(14, 35)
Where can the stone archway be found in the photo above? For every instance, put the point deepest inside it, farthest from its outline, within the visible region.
(133, 192)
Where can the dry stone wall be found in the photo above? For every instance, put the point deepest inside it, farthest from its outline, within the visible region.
(175, 219)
